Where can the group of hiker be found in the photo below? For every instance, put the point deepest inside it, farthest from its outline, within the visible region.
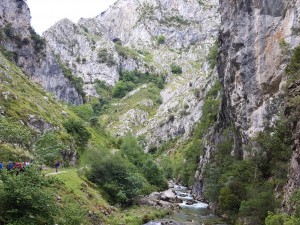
(21, 166)
(18, 166)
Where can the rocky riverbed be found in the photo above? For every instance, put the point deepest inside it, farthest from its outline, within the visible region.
(187, 210)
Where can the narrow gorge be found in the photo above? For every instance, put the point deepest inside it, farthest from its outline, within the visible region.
(201, 92)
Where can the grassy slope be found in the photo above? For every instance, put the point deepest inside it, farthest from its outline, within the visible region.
(75, 191)
(20, 98)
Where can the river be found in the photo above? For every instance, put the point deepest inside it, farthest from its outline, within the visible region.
(191, 213)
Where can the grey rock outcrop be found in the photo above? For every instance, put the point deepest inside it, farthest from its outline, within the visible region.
(28, 50)
(126, 34)
(251, 68)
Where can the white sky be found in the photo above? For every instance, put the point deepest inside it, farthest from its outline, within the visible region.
(46, 13)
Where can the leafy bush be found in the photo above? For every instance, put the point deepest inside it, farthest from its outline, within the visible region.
(255, 207)
(281, 219)
(76, 81)
(126, 52)
(272, 160)
(48, 148)
(175, 69)
(39, 43)
(117, 177)
(161, 39)
(212, 55)
(24, 199)
(84, 111)
(9, 31)
(122, 88)
(105, 57)
(143, 161)
(78, 131)
(14, 133)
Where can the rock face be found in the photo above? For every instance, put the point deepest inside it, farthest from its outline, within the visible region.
(251, 66)
(28, 50)
(147, 36)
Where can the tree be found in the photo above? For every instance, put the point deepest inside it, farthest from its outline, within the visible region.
(78, 131)
(24, 199)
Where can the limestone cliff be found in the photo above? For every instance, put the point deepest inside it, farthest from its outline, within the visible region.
(148, 36)
(28, 50)
(255, 39)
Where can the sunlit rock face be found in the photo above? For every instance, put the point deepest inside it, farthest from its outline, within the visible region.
(188, 28)
(30, 52)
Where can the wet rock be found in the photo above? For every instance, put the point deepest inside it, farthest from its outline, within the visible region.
(190, 202)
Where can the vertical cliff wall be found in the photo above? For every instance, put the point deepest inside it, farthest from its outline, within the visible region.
(255, 40)
(28, 50)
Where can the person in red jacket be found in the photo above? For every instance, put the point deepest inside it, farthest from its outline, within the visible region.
(18, 167)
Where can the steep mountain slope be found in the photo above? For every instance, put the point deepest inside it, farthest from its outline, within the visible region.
(34, 126)
(148, 68)
(28, 50)
(253, 127)
(149, 37)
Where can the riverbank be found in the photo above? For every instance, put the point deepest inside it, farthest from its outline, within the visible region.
(187, 210)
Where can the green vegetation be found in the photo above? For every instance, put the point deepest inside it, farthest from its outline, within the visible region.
(14, 132)
(25, 199)
(39, 43)
(293, 67)
(10, 55)
(105, 57)
(175, 21)
(137, 215)
(123, 175)
(161, 39)
(212, 55)
(146, 11)
(285, 48)
(76, 81)
(175, 69)
(78, 131)
(130, 80)
(185, 160)
(242, 187)
(126, 52)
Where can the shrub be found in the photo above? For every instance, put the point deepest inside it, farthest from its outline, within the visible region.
(144, 162)
(48, 148)
(78, 131)
(293, 67)
(212, 55)
(10, 55)
(39, 43)
(105, 57)
(121, 88)
(175, 69)
(14, 133)
(117, 177)
(255, 207)
(24, 199)
(126, 52)
(84, 111)
(8, 31)
(161, 39)
(154, 175)
(76, 81)
(281, 219)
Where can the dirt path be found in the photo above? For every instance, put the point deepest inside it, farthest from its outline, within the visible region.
(54, 173)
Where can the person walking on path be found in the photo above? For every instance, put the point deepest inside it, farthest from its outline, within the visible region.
(1, 166)
(57, 164)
